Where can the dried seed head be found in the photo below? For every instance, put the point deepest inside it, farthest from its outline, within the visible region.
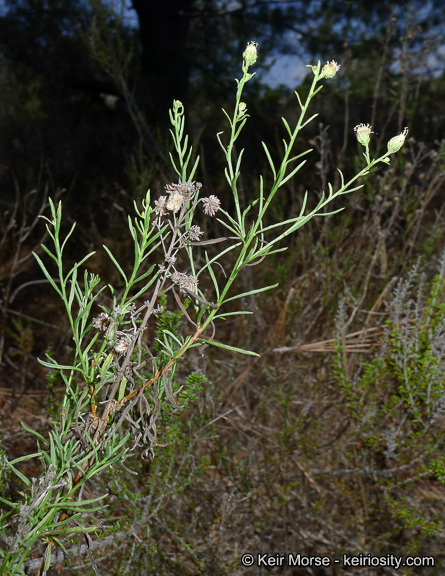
(194, 233)
(363, 133)
(122, 344)
(180, 193)
(175, 201)
(185, 281)
(187, 189)
(170, 259)
(101, 322)
(211, 205)
(160, 206)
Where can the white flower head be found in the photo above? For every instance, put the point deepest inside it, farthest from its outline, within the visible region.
(250, 54)
(363, 133)
(330, 69)
(397, 142)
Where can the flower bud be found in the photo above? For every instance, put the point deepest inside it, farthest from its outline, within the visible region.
(363, 133)
(397, 142)
(250, 54)
(242, 109)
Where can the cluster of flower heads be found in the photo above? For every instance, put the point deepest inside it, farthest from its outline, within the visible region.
(329, 70)
(105, 323)
(180, 194)
(364, 131)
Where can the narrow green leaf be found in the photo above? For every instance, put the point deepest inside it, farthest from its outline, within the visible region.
(238, 164)
(329, 213)
(278, 224)
(144, 288)
(47, 558)
(272, 167)
(227, 347)
(195, 166)
(299, 100)
(53, 256)
(212, 275)
(228, 117)
(72, 288)
(299, 155)
(27, 457)
(77, 504)
(309, 119)
(14, 505)
(54, 365)
(67, 237)
(52, 450)
(20, 475)
(227, 215)
(236, 232)
(241, 126)
(223, 316)
(48, 277)
(294, 171)
(173, 336)
(351, 190)
(33, 432)
(289, 131)
(215, 258)
(341, 178)
(115, 262)
(145, 274)
(174, 165)
(251, 292)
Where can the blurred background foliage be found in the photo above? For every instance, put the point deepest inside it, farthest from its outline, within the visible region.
(87, 84)
(85, 90)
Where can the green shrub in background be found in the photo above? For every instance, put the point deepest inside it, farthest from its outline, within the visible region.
(124, 370)
(396, 401)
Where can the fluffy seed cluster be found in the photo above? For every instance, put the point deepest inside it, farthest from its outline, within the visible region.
(122, 344)
(211, 205)
(179, 194)
(161, 206)
(194, 233)
(101, 322)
